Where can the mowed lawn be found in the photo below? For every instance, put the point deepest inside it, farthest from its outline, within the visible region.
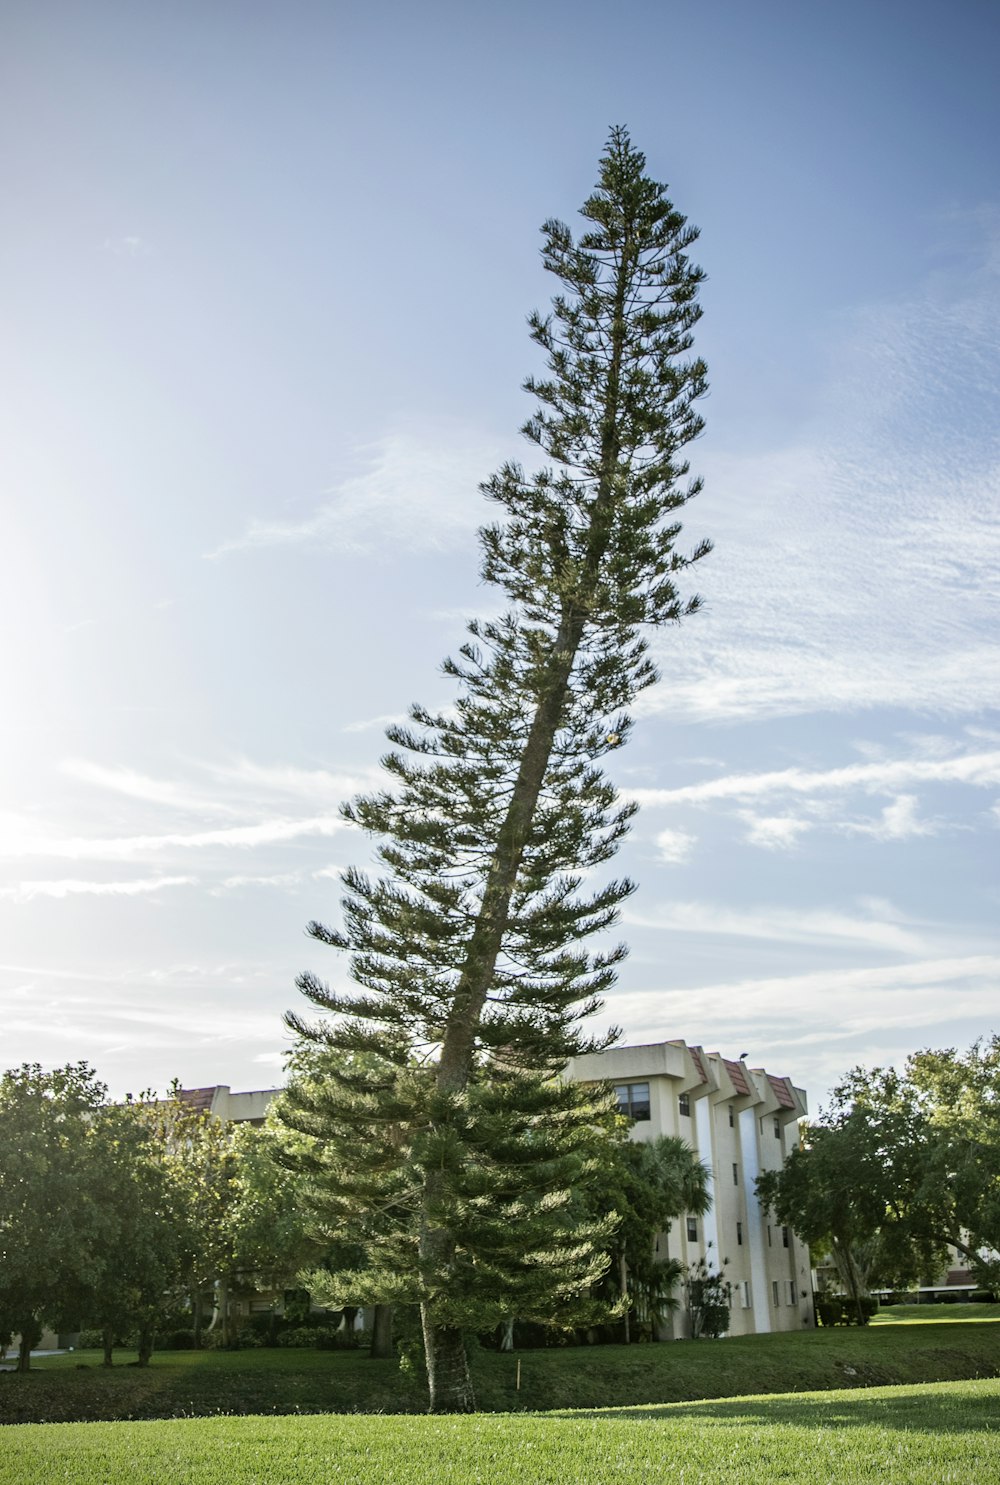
(923, 1435)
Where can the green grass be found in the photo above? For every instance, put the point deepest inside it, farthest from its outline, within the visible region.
(923, 1314)
(925, 1435)
(201, 1383)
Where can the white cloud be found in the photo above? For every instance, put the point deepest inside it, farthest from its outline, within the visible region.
(898, 821)
(27, 891)
(127, 848)
(815, 1026)
(780, 924)
(974, 769)
(373, 723)
(135, 785)
(675, 846)
(774, 832)
(415, 493)
(131, 246)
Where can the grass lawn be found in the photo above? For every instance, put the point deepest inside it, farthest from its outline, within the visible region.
(922, 1435)
(922, 1314)
(184, 1384)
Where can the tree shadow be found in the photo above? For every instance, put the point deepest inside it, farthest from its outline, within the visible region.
(902, 1408)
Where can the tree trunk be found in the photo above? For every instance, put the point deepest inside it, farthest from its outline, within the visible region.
(507, 1335)
(623, 1284)
(31, 1334)
(109, 1345)
(222, 1301)
(382, 1348)
(198, 1316)
(147, 1335)
(447, 1367)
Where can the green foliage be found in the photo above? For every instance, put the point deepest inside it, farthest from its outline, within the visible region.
(709, 1297)
(453, 1151)
(900, 1166)
(54, 1227)
(837, 1309)
(179, 1384)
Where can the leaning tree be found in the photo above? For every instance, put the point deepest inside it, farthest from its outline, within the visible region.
(451, 1145)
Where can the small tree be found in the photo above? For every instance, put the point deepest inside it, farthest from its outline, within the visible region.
(53, 1227)
(709, 1295)
(467, 949)
(649, 1184)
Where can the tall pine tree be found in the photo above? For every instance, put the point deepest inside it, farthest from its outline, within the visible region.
(449, 1145)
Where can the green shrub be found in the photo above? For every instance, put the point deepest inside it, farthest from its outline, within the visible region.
(839, 1309)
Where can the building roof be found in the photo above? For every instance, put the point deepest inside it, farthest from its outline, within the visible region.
(198, 1100)
(737, 1076)
(782, 1092)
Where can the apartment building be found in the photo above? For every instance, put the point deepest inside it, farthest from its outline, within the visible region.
(740, 1121)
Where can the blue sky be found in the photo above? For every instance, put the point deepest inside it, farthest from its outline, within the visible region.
(265, 274)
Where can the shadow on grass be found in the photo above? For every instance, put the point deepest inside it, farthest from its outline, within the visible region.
(969, 1408)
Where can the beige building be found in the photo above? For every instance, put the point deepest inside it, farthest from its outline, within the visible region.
(740, 1121)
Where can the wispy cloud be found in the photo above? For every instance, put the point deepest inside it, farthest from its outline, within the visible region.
(134, 785)
(980, 769)
(779, 924)
(413, 493)
(372, 724)
(130, 246)
(675, 846)
(140, 886)
(127, 848)
(856, 567)
(815, 1026)
(774, 832)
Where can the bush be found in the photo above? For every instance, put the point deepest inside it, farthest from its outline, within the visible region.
(839, 1309)
(177, 1340)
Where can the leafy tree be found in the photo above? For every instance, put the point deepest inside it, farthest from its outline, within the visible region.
(138, 1262)
(648, 1185)
(901, 1166)
(52, 1224)
(960, 1098)
(709, 1297)
(457, 1147)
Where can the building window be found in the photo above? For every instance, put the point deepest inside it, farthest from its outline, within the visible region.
(739, 1233)
(736, 1174)
(732, 1117)
(792, 1296)
(692, 1229)
(784, 1237)
(684, 1103)
(777, 1127)
(774, 1291)
(769, 1234)
(633, 1100)
(745, 1295)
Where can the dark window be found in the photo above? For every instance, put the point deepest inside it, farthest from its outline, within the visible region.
(774, 1292)
(732, 1117)
(692, 1230)
(633, 1099)
(784, 1237)
(736, 1174)
(739, 1233)
(684, 1104)
(792, 1297)
(769, 1234)
(777, 1127)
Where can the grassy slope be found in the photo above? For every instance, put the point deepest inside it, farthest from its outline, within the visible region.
(186, 1384)
(929, 1435)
